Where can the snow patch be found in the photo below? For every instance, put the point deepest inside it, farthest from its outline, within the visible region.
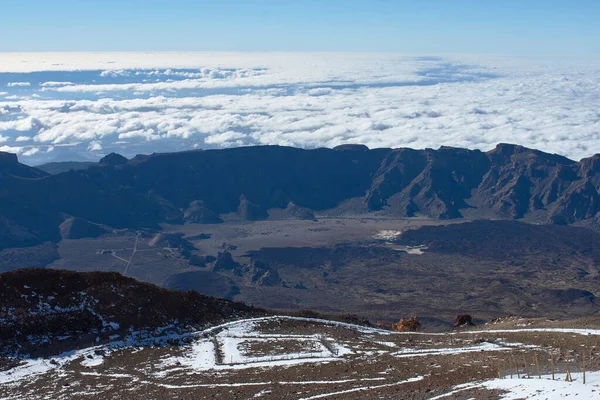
(533, 388)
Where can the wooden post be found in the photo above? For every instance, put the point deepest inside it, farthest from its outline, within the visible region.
(583, 365)
(510, 367)
(499, 370)
(526, 366)
(537, 364)
(552, 357)
(516, 364)
(568, 376)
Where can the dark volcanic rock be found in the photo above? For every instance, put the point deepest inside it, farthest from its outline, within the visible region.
(77, 228)
(269, 278)
(434, 183)
(569, 296)
(198, 213)
(259, 273)
(201, 261)
(504, 240)
(225, 262)
(38, 306)
(201, 236)
(521, 180)
(463, 320)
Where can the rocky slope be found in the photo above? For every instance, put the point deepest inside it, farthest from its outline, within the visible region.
(508, 182)
(43, 310)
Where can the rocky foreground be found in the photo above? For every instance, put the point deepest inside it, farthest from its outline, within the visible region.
(72, 335)
(299, 358)
(43, 311)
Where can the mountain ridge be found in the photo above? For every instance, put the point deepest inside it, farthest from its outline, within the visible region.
(508, 182)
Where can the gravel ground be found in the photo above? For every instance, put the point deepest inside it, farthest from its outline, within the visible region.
(368, 364)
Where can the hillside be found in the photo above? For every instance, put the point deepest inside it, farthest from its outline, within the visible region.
(43, 311)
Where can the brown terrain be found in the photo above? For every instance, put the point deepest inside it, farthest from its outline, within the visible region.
(286, 358)
(69, 335)
(376, 267)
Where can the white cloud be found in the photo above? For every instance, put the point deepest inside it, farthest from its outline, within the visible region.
(313, 101)
(31, 151)
(94, 146)
(224, 138)
(55, 84)
(17, 84)
(21, 124)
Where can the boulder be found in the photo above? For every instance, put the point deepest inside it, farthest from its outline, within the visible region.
(198, 213)
(225, 262)
(407, 325)
(463, 320)
(260, 274)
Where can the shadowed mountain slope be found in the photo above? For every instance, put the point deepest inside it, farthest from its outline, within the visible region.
(508, 182)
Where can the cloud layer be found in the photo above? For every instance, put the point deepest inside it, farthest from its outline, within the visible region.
(82, 111)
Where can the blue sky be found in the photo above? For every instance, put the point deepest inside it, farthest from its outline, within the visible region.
(423, 26)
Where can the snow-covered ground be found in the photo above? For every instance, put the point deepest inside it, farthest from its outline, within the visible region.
(388, 235)
(38, 366)
(233, 337)
(253, 347)
(534, 388)
(234, 343)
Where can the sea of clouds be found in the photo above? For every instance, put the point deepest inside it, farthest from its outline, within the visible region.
(81, 106)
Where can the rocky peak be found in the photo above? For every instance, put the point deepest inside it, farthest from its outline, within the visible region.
(113, 159)
(197, 212)
(251, 211)
(296, 211)
(225, 262)
(8, 158)
(590, 166)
